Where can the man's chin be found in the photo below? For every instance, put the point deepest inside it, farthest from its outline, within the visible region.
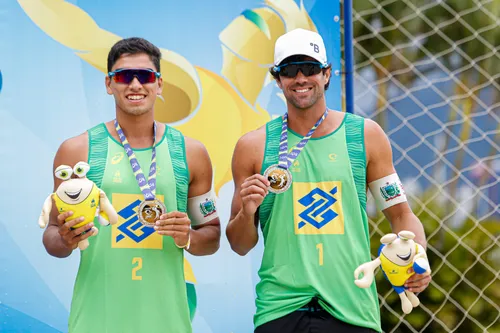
(302, 104)
(136, 111)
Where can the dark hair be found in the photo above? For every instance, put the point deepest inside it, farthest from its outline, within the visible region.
(296, 58)
(134, 45)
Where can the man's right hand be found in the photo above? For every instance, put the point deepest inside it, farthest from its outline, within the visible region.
(253, 191)
(71, 237)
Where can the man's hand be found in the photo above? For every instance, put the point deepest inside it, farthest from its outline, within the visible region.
(71, 237)
(253, 191)
(176, 225)
(417, 282)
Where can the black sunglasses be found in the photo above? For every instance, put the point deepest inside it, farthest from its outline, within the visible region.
(307, 68)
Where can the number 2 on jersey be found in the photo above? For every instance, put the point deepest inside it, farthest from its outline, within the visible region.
(319, 246)
(138, 261)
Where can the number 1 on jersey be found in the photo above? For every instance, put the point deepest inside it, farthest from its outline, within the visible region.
(319, 246)
(138, 261)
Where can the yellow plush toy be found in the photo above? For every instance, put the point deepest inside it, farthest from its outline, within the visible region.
(396, 255)
(82, 197)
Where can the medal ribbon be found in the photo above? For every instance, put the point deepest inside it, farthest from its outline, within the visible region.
(148, 188)
(286, 159)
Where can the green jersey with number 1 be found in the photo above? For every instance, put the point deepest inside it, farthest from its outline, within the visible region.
(316, 233)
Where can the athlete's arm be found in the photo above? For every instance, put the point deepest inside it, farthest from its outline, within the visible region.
(58, 238)
(205, 238)
(379, 159)
(250, 188)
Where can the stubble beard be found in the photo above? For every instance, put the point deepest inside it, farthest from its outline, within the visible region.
(305, 104)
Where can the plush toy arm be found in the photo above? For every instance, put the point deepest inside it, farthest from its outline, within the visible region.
(421, 266)
(43, 220)
(420, 261)
(367, 269)
(107, 208)
(102, 217)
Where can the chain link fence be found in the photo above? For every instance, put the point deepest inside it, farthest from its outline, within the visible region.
(428, 71)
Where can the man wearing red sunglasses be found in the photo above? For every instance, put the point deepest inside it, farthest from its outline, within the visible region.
(304, 177)
(131, 277)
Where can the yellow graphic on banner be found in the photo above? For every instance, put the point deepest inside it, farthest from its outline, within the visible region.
(188, 272)
(129, 232)
(318, 208)
(229, 97)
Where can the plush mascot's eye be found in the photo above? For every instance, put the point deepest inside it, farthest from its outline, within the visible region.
(81, 169)
(63, 172)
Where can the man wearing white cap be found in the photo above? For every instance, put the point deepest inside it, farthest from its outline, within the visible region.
(304, 177)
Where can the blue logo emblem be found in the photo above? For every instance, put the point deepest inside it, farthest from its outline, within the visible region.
(318, 212)
(132, 227)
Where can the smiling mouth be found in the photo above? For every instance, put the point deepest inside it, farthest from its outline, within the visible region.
(73, 195)
(302, 90)
(135, 97)
(404, 257)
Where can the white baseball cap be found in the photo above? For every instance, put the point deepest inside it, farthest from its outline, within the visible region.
(300, 42)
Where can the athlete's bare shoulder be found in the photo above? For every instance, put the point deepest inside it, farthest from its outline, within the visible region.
(198, 162)
(252, 143)
(73, 150)
(377, 144)
(194, 145)
(249, 151)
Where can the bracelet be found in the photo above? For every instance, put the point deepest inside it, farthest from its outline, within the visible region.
(185, 246)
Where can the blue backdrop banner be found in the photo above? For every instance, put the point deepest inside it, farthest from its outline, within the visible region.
(215, 60)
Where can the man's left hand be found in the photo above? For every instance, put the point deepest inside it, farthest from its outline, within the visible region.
(176, 225)
(417, 282)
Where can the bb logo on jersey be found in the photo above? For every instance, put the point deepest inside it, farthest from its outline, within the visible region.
(318, 208)
(129, 232)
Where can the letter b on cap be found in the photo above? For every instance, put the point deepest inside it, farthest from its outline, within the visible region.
(315, 47)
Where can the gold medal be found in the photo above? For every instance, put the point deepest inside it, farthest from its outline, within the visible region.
(279, 175)
(280, 179)
(150, 211)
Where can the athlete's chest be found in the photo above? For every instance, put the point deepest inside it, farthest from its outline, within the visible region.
(321, 160)
(123, 174)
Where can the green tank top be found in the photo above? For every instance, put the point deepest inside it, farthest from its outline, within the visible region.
(130, 278)
(316, 233)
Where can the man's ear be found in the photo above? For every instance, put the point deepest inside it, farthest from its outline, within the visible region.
(107, 82)
(160, 86)
(278, 82)
(328, 74)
